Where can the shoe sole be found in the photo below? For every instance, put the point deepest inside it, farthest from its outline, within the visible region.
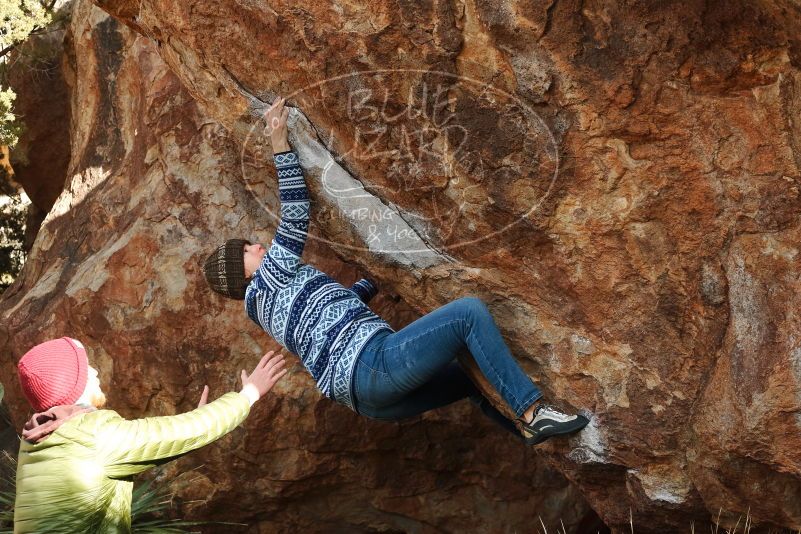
(567, 428)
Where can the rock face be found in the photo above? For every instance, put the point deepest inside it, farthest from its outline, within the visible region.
(619, 180)
(153, 184)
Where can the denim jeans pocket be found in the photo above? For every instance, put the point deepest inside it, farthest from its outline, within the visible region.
(371, 387)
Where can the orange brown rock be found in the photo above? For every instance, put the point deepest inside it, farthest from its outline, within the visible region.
(153, 184)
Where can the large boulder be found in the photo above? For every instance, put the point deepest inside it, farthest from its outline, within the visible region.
(155, 183)
(619, 181)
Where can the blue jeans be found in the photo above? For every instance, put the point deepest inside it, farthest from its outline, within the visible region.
(414, 370)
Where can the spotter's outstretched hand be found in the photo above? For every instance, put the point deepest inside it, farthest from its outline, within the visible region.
(269, 371)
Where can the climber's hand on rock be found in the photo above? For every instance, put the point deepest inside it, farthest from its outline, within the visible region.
(276, 125)
(269, 371)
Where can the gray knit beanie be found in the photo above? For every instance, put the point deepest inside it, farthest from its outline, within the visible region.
(225, 269)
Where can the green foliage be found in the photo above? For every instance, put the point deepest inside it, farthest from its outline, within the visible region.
(10, 128)
(6, 512)
(8, 470)
(18, 20)
(147, 508)
(12, 238)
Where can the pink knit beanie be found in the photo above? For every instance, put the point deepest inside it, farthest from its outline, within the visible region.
(54, 373)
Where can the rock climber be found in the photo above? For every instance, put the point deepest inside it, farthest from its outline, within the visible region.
(76, 459)
(354, 356)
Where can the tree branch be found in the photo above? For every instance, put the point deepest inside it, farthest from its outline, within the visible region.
(35, 31)
(38, 30)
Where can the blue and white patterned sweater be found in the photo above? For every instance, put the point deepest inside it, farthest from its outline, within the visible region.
(305, 310)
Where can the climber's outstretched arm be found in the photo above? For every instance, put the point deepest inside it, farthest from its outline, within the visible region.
(283, 257)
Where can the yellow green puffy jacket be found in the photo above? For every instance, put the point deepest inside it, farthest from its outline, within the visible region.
(79, 478)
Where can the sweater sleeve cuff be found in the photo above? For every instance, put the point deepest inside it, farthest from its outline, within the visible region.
(370, 286)
(251, 393)
(366, 289)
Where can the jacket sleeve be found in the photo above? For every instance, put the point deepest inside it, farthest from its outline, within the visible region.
(283, 257)
(130, 447)
(366, 289)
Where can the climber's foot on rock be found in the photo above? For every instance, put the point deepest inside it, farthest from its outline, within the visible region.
(549, 422)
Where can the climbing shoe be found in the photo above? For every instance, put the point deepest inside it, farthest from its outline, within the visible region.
(549, 422)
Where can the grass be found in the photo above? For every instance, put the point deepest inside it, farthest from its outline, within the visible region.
(747, 525)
